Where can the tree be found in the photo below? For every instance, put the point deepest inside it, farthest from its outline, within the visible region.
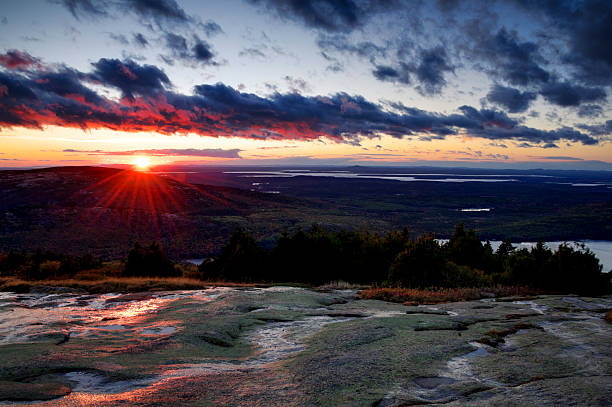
(421, 264)
(241, 259)
(149, 261)
(465, 248)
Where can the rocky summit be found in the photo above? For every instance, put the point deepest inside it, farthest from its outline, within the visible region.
(294, 347)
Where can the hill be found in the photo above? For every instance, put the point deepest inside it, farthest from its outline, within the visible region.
(104, 210)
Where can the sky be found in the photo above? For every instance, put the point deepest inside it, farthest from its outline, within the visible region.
(513, 83)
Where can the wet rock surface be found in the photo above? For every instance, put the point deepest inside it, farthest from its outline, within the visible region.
(285, 346)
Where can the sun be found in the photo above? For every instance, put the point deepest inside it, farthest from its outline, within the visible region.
(141, 163)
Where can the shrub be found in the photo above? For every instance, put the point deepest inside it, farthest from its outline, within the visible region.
(149, 261)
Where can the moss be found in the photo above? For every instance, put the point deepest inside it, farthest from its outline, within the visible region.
(16, 391)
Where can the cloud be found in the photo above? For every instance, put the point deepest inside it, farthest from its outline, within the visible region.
(557, 158)
(327, 15)
(174, 152)
(387, 73)
(159, 11)
(516, 62)
(341, 43)
(252, 52)
(162, 14)
(601, 129)
(590, 111)
(428, 68)
(334, 65)
(512, 99)
(131, 78)
(566, 94)
(140, 40)
(586, 28)
(86, 8)
(433, 63)
(191, 51)
(14, 59)
(297, 84)
(35, 99)
(120, 38)
(210, 28)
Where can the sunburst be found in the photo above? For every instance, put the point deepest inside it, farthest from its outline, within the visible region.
(141, 163)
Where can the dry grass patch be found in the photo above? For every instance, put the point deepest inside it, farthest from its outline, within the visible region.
(116, 284)
(415, 296)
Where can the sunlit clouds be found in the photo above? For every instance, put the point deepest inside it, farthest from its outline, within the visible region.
(99, 82)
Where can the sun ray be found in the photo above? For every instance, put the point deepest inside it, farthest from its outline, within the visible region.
(141, 163)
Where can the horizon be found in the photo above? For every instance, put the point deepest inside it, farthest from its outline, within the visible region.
(519, 166)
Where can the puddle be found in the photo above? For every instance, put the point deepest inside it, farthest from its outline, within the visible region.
(161, 330)
(540, 309)
(89, 382)
(433, 382)
(385, 314)
(460, 367)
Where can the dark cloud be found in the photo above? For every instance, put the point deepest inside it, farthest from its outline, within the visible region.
(176, 43)
(157, 10)
(512, 99)
(590, 111)
(516, 62)
(86, 8)
(334, 65)
(430, 71)
(586, 28)
(38, 98)
(162, 13)
(427, 69)
(192, 51)
(603, 129)
(328, 15)
(67, 83)
(132, 78)
(341, 43)
(120, 38)
(210, 28)
(566, 94)
(140, 40)
(297, 84)
(14, 59)
(387, 73)
(202, 52)
(186, 152)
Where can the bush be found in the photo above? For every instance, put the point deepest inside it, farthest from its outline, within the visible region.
(149, 261)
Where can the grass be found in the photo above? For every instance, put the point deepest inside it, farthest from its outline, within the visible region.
(116, 284)
(414, 296)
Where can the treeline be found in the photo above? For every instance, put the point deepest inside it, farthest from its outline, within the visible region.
(45, 264)
(141, 261)
(318, 256)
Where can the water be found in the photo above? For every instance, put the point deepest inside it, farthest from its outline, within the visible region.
(388, 177)
(601, 248)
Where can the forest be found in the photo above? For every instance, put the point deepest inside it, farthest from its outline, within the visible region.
(318, 256)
